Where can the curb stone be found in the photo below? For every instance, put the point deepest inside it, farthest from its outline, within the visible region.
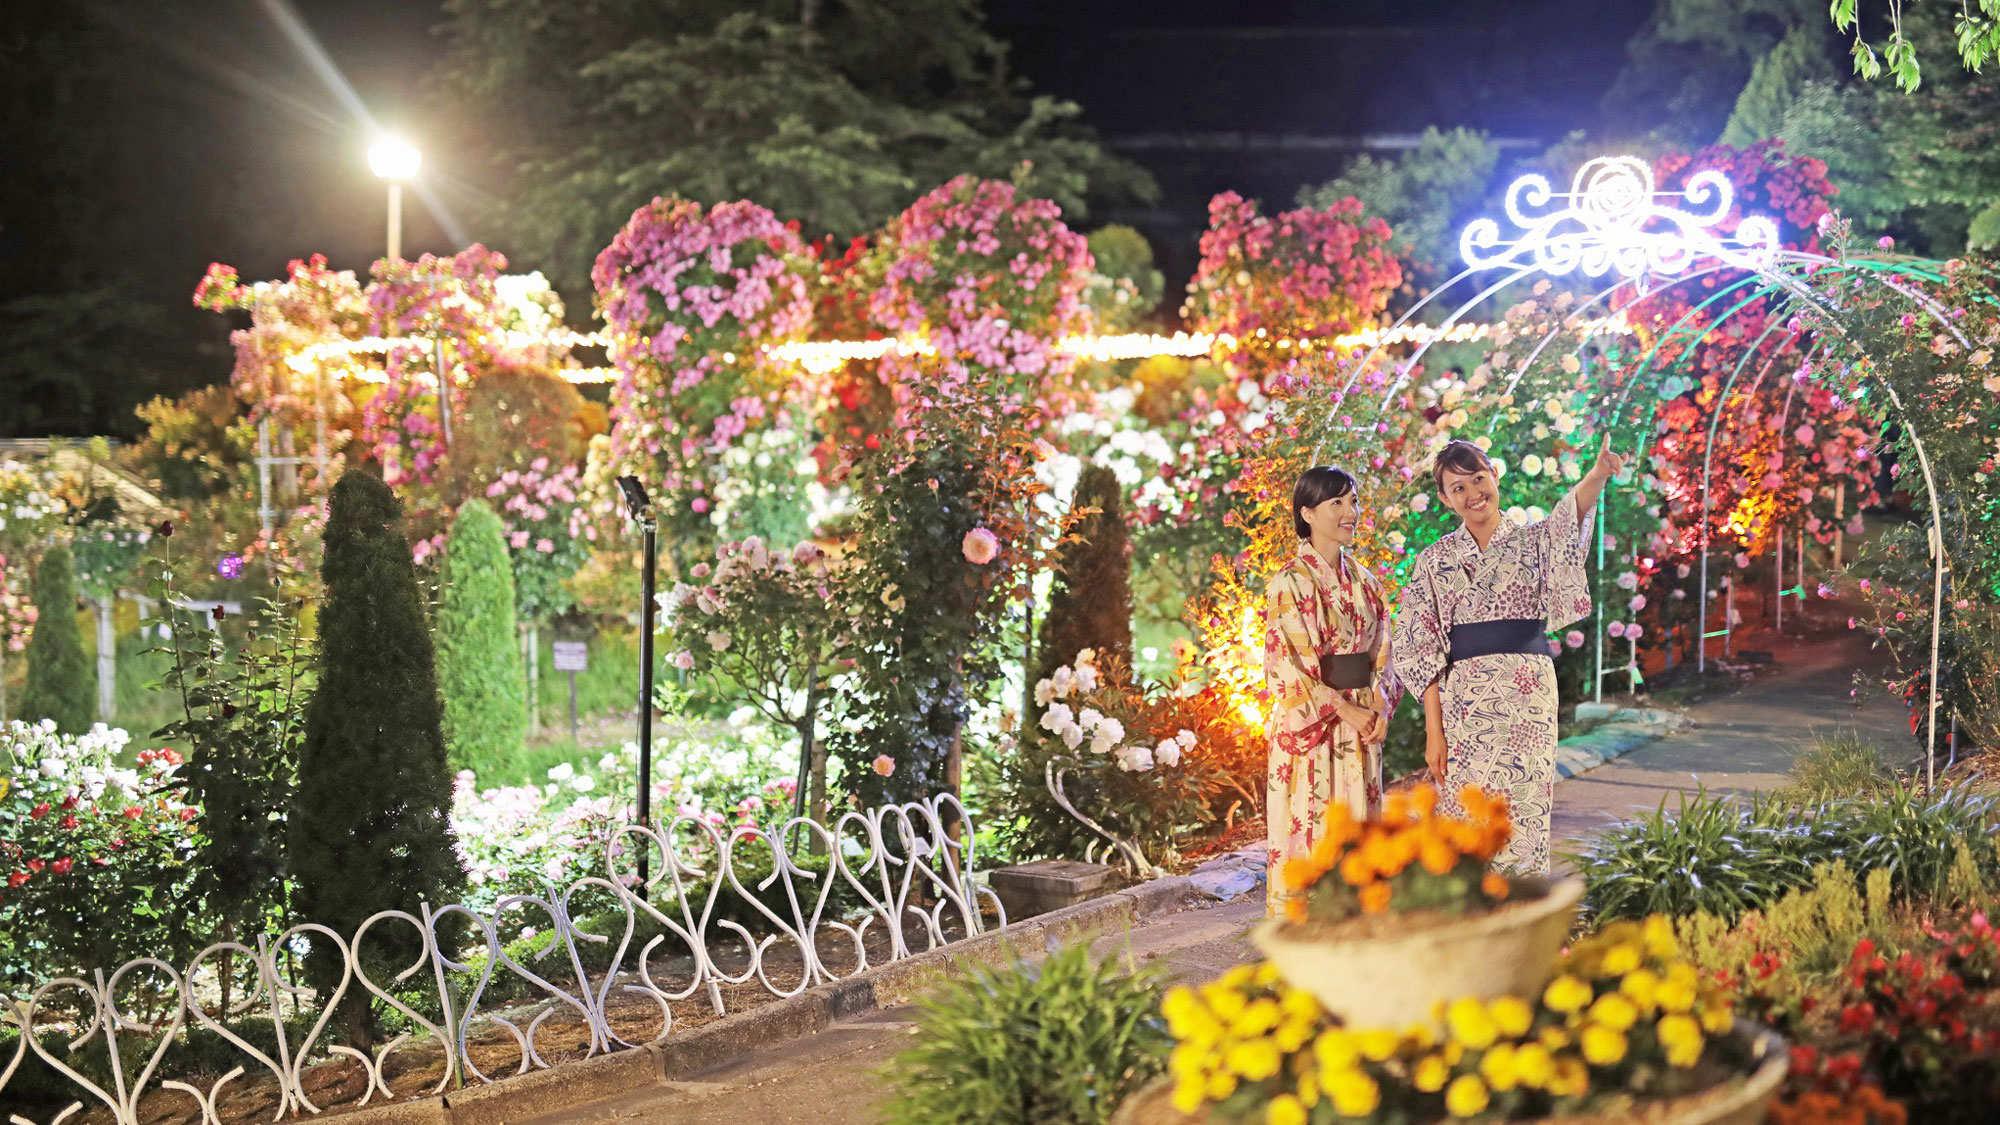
(717, 1044)
(1628, 729)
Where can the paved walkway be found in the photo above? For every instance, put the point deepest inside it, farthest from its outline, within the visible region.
(1741, 741)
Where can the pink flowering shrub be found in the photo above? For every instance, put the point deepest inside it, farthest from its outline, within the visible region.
(1304, 274)
(549, 536)
(312, 305)
(693, 298)
(92, 852)
(994, 283)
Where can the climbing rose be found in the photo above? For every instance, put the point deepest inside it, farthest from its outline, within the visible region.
(885, 765)
(981, 546)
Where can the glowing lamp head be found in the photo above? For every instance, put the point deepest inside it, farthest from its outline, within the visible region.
(394, 158)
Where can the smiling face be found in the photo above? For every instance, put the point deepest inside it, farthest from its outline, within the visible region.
(1473, 497)
(1333, 522)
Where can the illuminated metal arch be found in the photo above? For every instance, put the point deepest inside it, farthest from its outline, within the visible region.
(1795, 274)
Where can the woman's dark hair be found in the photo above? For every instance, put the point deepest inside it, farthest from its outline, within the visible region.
(1316, 486)
(1459, 457)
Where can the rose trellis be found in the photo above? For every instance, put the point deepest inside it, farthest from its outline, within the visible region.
(911, 866)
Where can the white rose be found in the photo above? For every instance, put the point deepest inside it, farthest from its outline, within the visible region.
(718, 640)
(1169, 753)
(563, 772)
(1045, 693)
(1057, 717)
(1135, 759)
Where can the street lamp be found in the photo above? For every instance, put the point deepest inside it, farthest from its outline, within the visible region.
(395, 160)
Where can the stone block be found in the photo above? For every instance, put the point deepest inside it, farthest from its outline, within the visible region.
(1029, 889)
(1595, 712)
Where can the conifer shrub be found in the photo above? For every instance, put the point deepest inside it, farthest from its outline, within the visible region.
(1091, 603)
(61, 683)
(370, 828)
(479, 666)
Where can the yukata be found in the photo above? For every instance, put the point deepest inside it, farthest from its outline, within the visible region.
(1499, 708)
(1312, 610)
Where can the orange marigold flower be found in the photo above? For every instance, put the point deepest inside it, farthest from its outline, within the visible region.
(1424, 799)
(1356, 869)
(1495, 885)
(1395, 808)
(1302, 873)
(1437, 856)
(1375, 898)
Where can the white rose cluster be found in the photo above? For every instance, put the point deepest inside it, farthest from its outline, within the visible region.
(1078, 724)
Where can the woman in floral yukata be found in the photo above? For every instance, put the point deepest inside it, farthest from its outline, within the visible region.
(1471, 636)
(1326, 648)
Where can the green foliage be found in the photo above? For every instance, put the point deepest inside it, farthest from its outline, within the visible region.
(1837, 765)
(1064, 1042)
(478, 652)
(1940, 137)
(1778, 79)
(1125, 287)
(1840, 125)
(512, 417)
(1090, 606)
(240, 718)
(1975, 39)
(61, 683)
(369, 826)
(1685, 66)
(1813, 928)
(1423, 194)
(1717, 855)
(834, 115)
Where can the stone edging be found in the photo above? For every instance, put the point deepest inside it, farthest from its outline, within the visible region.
(705, 1048)
(1628, 729)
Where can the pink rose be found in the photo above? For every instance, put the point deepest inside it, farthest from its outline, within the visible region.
(545, 546)
(1634, 631)
(1616, 629)
(980, 546)
(885, 765)
(1573, 639)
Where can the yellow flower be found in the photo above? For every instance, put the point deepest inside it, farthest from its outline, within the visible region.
(1335, 1050)
(1466, 1097)
(1266, 975)
(1677, 992)
(1354, 1094)
(1187, 1058)
(1535, 1065)
(1299, 1005)
(1470, 1023)
(1255, 1059)
(1285, 1110)
(1554, 1038)
(1566, 994)
(1238, 978)
(1621, 959)
(1184, 1012)
(1602, 1046)
(1498, 1067)
(1189, 1092)
(1511, 1014)
(1224, 1003)
(1642, 987)
(1420, 1037)
(1257, 1018)
(1293, 1034)
(1572, 1078)
(1718, 1017)
(1376, 1045)
(1429, 1074)
(1658, 935)
(1309, 1087)
(1614, 1011)
(1221, 1084)
(1682, 1038)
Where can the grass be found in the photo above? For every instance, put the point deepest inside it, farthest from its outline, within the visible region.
(1839, 764)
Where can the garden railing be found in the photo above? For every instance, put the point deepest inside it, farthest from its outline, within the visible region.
(909, 866)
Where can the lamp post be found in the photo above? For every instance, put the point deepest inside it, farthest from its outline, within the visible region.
(395, 160)
(641, 509)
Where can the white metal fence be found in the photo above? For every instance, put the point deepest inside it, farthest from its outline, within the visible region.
(903, 863)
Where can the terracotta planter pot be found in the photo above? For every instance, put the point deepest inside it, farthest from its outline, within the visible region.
(1742, 1100)
(1392, 980)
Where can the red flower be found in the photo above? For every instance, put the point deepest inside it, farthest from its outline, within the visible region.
(36, 865)
(18, 878)
(39, 811)
(1805, 1060)
(187, 816)
(117, 843)
(69, 802)
(62, 866)
(1857, 1017)
(68, 823)
(132, 812)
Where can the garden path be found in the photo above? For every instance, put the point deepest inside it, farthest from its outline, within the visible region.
(1744, 740)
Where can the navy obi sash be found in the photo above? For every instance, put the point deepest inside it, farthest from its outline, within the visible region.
(1495, 638)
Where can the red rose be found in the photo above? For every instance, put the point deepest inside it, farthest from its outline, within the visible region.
(62, 866)
(69, 802)
(36, 865)
(17, 878)
(39, 811)
(68, 823)
(118, 843)
(132, 812)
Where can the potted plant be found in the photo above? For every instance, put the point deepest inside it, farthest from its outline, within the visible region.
(1392, 916)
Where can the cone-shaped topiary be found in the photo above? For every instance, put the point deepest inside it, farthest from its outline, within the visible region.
(479, 663)
(370, 827)
(1091, 604)
(61, 684)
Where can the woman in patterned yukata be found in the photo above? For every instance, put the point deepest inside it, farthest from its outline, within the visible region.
(1326, 634)
(1471, 636)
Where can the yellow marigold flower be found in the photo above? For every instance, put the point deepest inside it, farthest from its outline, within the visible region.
(1376, 1044)
(1466, 1096)
(1293, 1034)
(1658, 935)
(1298, 1004)
(1602, 1046)
(1498, 1067)
(1187, 1058)
(1511, 1014)
(1554, 1038)
(1255, 1059)
(1224, 1002)
(1238, 978)
(1470, 1024)
(1309, 1087)
(1189, 1092)
(1642, 987)
(1453, 1053)
(1266, 974)
(1572, 1078)
(1621, 958)
(1285, 1110)
(1420, 1037)
(1682, 1038)
(1567, 994)
(1183, 1011)
(1717, 1018)
(1257, 1017)
(1335, 1050)
(1429, 1074)
(1354, 1094)
(1614, 1011)
(1675, 994)
(1535, 1065)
